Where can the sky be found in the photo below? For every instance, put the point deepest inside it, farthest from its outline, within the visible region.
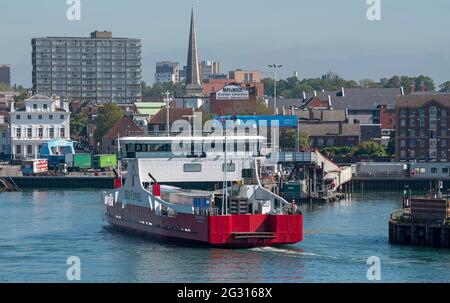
(310, 37)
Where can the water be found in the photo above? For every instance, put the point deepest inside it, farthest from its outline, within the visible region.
(41, 229)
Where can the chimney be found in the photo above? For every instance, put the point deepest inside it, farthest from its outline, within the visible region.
(411, 88)
(343, 91)
(304, 95)
(315, 94)
(12, 104)
(284, 110)
(402, 89)
(346, 115)
(330, 106)
(422, 87)
(340, 128)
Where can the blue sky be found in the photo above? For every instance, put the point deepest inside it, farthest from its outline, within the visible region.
(310, 37)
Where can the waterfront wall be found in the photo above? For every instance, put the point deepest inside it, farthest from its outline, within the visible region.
(64, 182)
(397, 184)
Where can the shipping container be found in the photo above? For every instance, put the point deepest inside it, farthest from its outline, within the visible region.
(77, 162)
(33, 167)
(104, 162)
(55, 161)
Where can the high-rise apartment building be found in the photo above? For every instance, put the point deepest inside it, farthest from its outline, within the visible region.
(98, 68)
(5, 74)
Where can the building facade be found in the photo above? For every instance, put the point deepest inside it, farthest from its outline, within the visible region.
(245, 76)
(40, 120)
(5, 74)
(422, 132)
(98, 69)
(167, 72)
(209, 69)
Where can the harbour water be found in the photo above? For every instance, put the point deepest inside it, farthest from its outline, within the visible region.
(39, 230)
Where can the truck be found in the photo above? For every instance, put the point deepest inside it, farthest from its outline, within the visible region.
(55, 161)
(34, 167)
(78, 162)
(104, 162)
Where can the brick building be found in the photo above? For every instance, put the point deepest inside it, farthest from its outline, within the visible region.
(422, 131)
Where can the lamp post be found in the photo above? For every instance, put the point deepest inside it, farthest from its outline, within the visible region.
(275, 67)
(167, 99)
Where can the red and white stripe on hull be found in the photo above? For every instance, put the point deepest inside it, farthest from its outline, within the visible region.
(224, 231)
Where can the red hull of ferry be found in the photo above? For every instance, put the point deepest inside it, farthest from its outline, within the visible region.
(223, 231)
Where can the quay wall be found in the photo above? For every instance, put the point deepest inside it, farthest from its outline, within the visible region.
(64, 182)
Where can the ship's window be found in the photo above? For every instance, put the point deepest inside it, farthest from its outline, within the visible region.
(231, 167)
(138, 147)
(192, 168)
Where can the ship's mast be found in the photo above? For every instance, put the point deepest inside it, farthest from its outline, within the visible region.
(225, 181)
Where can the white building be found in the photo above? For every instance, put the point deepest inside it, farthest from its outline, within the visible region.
(40, 120)
(167, 72)
(5, 139)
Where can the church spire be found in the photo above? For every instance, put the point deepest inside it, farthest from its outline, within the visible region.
(193, 84)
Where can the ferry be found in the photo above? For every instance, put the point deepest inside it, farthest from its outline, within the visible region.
(212, 196)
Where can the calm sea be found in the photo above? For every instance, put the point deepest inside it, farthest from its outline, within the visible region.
(41, 229)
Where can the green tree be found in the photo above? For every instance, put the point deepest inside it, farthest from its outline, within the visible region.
(370, 149)
(303, 141)
(78, 126)
(106, 119)
(4, 87)
(445, 87)
(287, 138)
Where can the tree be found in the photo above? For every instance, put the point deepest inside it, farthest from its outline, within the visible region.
(391, 144)
(78, 126)
(303, 140)
(287, 138)
(106, 119)
(338, 151)
(370, 149)
(4, 87)
(445, 87)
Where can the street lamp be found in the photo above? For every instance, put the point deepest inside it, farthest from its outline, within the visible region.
(167, 99)
(275, 67)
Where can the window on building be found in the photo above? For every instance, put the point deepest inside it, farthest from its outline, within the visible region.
(422, 122)
(412, 122)
(403, 154)
(45, 106)
(18, 117)
(29, 117)
(403, 143)
(444, 133)
(421, 113)
(231, 167)
(402, 122)
(50, 117)
(443, 154)
(412, 132)
(403, 132)
(51, 133)
(61, 117)
(422, 133)
(29, 133)
(18, 133)
(412, 154)
(35, 106)
(320, 142)
(62, 132)
(412, 143)
(29, 149)
(18, 149)
(434, 170)
(40, 117)
(443, 143)
(40, 132)
(422, 143)
(403, 112)
(192, 168)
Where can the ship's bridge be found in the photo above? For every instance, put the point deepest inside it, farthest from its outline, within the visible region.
(160, 147)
